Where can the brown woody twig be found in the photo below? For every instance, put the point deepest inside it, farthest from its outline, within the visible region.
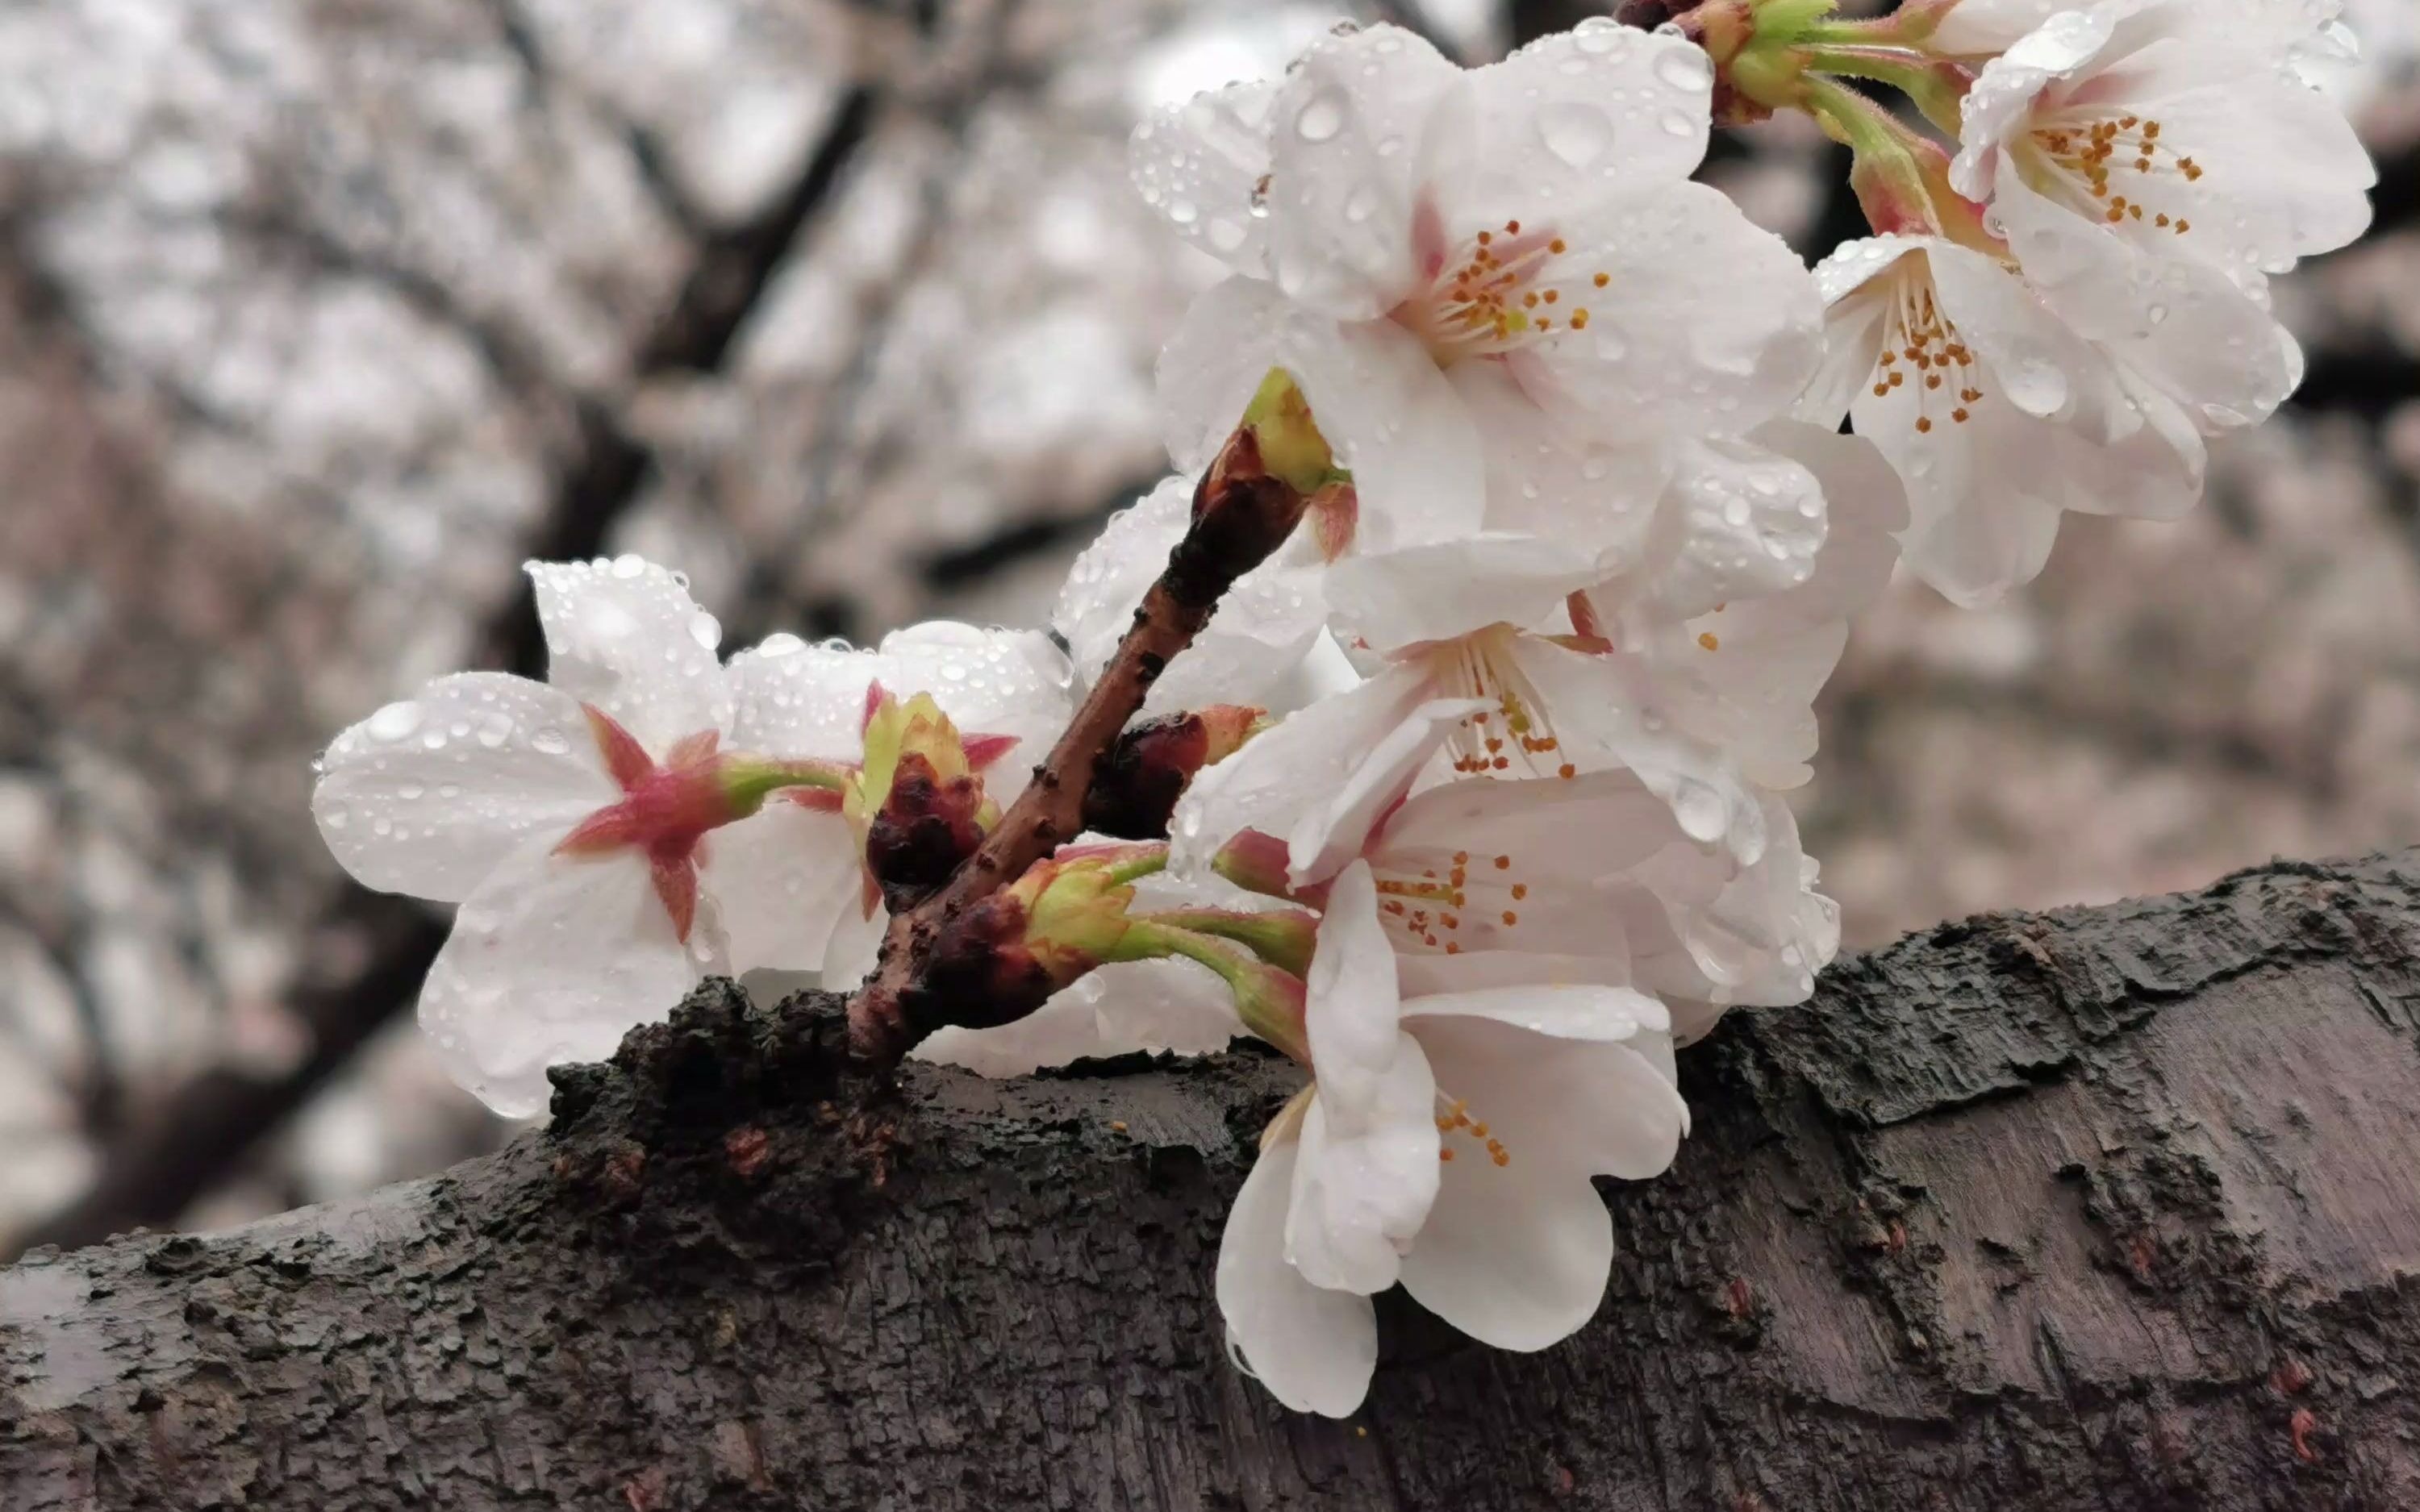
(1241, 513)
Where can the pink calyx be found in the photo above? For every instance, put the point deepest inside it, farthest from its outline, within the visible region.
(665, 811)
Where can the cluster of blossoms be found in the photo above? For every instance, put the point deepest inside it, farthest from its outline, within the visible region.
(1467, 796)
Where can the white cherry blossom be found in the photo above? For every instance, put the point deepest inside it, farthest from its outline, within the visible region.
(1448, 1142)
(1496, 882)
(2113, 138)
(1996, 413)
(588, 825)
(1543, 664)
(1483, 281)
(2310, 35)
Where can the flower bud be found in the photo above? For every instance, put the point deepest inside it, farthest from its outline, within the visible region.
(1136, 782)
(1005, 955)
(1292, 449)
(918, 804)
(924, 830)
(1270, 1000)
(1255, 862)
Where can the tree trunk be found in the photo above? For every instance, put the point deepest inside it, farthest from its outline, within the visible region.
(2110, 1209)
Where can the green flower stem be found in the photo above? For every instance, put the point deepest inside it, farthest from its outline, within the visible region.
(1281, 938)
(1268, 1000)
(1938, 89)
(749, 780)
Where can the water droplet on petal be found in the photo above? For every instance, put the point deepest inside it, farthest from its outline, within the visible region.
(705, 630)
(334, 816)
(1574, 132)
(630, 565)
(395, 721)
(1684, 68)
(551, 741)
(1321, 119)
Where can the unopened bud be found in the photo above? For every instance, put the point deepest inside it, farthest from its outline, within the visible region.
(917, 804)
(1270, 1000)
(1004, 956)
(925, 829)
(1255, 862)
(1291, 446)
(1136, 782)
(980, 973)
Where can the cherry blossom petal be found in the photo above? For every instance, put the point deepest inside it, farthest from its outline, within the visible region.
(1549, 476)
(1175, 1006)
(1598, 1107)
(1607, 714)
(2057, 423)
(1517, 1254)
(2182, 323)
(1516, 1257)
(1706, 325)
(1292, 773)
(1581, 1012)
(1573, 117)
(1739, 522)
(1345, 136)
(428, 796)
(1063, 1029)
(1389, 415)
(1350, 1003)
(1389, 600)
(1435, 974)
(2286, 175)
(2276, 171)
(1535, 861)
(1365, 1179)
(1981, 28)
(1313, 1348)
(1201, 164)
(551, 961)
(781, 879)
(1748, 672)
(856, 945)
(625, 636)
(1331, 829)
(792, 698)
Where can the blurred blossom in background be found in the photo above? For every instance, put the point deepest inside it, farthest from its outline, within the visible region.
(319, 318)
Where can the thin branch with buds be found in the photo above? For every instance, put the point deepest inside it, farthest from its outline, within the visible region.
(1242, 512)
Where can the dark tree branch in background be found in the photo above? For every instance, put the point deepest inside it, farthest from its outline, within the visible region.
(2105, 1211)
(188, 1140)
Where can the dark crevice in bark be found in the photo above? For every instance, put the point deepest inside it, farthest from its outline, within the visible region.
(2108, 1209)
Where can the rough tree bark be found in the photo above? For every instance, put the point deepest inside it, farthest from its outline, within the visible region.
(2111, 1209)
